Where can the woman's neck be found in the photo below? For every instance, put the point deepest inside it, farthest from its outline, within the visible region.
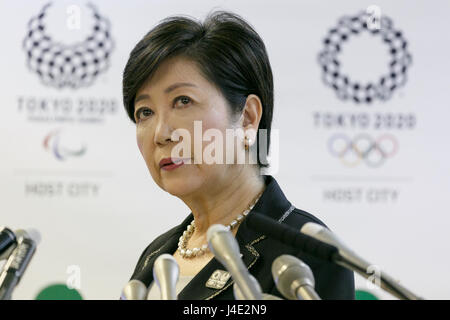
(225, 202)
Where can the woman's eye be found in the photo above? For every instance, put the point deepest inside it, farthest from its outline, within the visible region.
(143, 113)
(182, 101)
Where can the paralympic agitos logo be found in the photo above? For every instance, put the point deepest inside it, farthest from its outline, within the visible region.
(72, 65)
(63, 146)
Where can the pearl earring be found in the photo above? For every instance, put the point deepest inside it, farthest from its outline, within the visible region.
(247, 145)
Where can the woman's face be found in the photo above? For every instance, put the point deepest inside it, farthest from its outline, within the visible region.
(173, 98)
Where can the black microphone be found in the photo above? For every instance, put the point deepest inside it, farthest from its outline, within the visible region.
(291, 236)
(350, 260)
(7, 242)
(17, 263)
(322, 245)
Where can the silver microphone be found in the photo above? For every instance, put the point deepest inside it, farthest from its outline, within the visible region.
(134, 290)
(350, 260)
(225, 248)
(293, 278)
(18, 261)
(165, 273)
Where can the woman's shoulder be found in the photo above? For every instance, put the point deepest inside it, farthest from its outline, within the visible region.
(299, 217)
(157, 243)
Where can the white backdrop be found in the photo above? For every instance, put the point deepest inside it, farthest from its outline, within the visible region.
(70, 166)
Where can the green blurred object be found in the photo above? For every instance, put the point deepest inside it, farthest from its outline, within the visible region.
(364, 295)
(58, 292)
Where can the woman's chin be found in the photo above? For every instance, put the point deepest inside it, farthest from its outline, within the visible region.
(179, 191)
(179, 184)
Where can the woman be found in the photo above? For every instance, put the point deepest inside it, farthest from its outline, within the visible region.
(186, 76)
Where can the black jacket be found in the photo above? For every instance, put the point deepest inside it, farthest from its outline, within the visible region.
(259, 251)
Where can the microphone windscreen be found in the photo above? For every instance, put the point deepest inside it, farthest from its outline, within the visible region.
(134, 290)
(290, 273)
(212, 230)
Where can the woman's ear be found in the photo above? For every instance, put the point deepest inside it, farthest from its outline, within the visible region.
(252, 113)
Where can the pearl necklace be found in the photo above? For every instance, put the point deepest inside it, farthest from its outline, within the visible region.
(187, 234)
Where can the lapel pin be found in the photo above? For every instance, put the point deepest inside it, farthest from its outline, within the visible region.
(218, 279)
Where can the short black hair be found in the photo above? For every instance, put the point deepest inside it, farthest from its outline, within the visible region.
(227, 50)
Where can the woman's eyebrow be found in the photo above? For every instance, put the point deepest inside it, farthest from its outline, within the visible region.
(141, 97)
(167, 90)
(177, 85)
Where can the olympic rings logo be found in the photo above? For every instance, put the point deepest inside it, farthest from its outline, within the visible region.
(363, 147)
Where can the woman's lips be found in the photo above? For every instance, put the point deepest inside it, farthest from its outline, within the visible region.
(176, 164)
(169, 167)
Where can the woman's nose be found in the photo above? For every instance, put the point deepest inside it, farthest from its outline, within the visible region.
(163, 131)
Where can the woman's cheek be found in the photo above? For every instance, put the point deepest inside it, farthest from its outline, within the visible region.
(139, 144)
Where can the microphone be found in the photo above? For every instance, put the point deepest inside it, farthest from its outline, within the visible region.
(239, 296)
(165, 273)
(134, 290)
(327, 248)
(291, 236)
(7, 242)
(225, 248)
(350, 260)
(293, 278)
(18, 261)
